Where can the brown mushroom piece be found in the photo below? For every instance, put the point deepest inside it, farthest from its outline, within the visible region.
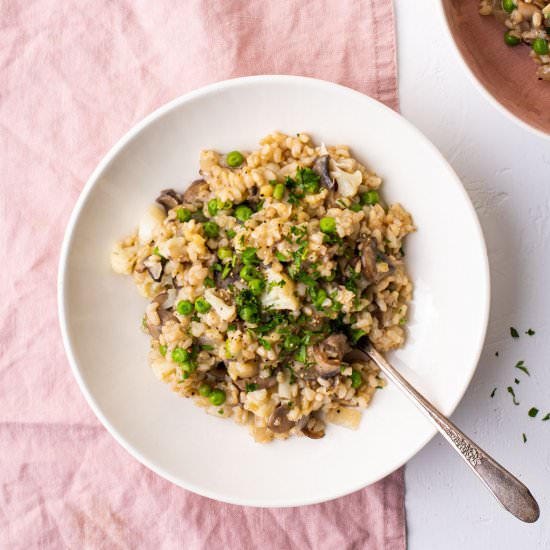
(193, 192)
(329, 353)
(169, 199)
(278, 421)
(313, 435)
(164, 314)
(218, 373)
(155, 267)
(370, 255)
(321, 168)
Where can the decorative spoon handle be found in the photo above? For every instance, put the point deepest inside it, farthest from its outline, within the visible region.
(508, 490)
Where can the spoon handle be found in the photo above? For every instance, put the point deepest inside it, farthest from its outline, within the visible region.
(507, 489)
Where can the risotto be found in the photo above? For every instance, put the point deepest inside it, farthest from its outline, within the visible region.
(526, 22)
(263, 275)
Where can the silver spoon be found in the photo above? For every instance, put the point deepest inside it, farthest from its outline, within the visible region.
(507, 489)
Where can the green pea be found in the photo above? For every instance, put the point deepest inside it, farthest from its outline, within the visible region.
(217, 397)
(248, 272)
(279, 191)
(211, 229)
(213, 207)
(370, 197)
(291, 342)
(188, 366)
(180, 355)
(540, 46)
(234, 159)
(205, 390)
(320, 297)
(356, 379)
(510, 39)
(508, 5)
(201, 305)
(224, 253)
(257, 286)
(248, 314)
(243, 212)
(183, 214)
(184, 307)
(327, 225)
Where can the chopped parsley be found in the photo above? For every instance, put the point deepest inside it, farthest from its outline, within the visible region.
(520, 365)
(251, 387)
(207, 347)
(281, 257)
(493, 392)
(524, 437)
(264, 343)
(530, 332)
(533, 411)
(496, 353)
(209, 282)
(516, 381)
(231, 233)
(513, 394)
(546, 417)
(356, 335)
(514, 333)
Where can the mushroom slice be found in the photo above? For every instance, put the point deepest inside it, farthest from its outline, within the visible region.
(321, 168)
(169, 199)
(193, 192)
(329, 353)
(356, 356)
(313, 435)
(218, 373)
(278, 421)
(369, 257)
(155, 267)
(165, 315)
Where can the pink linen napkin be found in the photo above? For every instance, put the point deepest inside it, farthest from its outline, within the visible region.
(74, 77)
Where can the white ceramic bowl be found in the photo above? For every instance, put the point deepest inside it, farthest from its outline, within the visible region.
(100, 312)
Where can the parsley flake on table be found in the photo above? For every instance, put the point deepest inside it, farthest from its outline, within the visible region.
(524, 438)
(513, 394)
(521, 366)
(530, 332)
(516, 381)
(545, 418)
(493, 392)
(533, 411)
(514, 333)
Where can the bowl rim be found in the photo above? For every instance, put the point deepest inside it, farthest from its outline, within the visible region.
(477, 83)
(69, 235)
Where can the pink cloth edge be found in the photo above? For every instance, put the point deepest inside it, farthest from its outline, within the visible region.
(27, 482)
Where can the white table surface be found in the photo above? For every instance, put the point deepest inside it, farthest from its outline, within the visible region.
(506, 171)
